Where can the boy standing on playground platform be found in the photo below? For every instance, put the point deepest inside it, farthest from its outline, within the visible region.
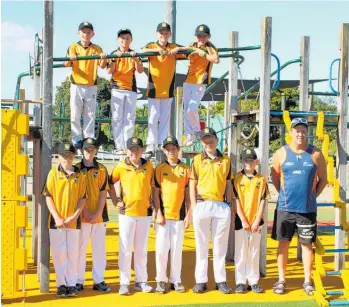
(161, 83)
(135, 175)
(65, 192)
(123, 90)
(250, 190)
(199, 75)
(170, 194)
(94, 217)
(83, 89)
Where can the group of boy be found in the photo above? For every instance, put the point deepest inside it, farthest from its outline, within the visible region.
(161, 84)
(179, 194)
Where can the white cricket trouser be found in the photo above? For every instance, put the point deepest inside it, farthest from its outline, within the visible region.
(246, 256)
(159, 112)
(192, 95)
(82, 102)
(99, 258)
(123, 107)
(169, 238)
(215, 216)
(65, 253)
(133, 232)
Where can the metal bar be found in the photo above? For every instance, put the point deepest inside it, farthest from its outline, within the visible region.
(47, 143)
(322, 93)
(333, 273)
(325, 204)
(334, 293)
(337, 250)
(329, 228)
(338, 303)
(330, 77)
(272, 74)
(277, 82)
(300, 113)
(100, 120)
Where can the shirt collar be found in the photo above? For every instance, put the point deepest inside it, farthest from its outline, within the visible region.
(157, 42)
(95, 165)
(205, 155)
(79, 42)
(61, 169)
(253, 175)
(178, 162)
(128, 162)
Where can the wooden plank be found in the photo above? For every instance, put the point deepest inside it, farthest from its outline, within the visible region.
(47, 142)
(342, 141)
(264, 122)
(232, 106)
(304, 75)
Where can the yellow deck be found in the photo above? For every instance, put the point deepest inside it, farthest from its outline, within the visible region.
(93, 298)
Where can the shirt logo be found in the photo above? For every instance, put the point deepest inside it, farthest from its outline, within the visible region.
(289, 163)
(307, 164)
(76, 179)
(165, 174)
(298, 172)
(95, 174)
(258, 185)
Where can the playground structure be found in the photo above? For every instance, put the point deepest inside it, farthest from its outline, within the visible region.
(15, 127)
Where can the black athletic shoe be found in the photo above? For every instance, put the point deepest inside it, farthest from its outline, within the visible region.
(61, 291)
(102, 287)
(200, 288)
(79, 287)
(223, 288)
(71, 291)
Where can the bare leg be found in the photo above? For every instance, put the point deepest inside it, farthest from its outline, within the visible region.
(307, 254)
(282, 258)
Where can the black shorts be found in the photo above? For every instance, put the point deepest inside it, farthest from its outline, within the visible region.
(286, 223)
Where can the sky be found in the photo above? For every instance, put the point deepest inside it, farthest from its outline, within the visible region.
(320, 20)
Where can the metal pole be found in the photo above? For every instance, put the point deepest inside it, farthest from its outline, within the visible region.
(47, 142)
(179, 117)
(342, 141)
(233, 149)
(283, 107)
(264, 124)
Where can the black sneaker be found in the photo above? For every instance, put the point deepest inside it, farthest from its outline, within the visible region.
(79, 287)
(61, 291)
(200, 288)
(102, 287)
(223, 288)
(240, 288)
(71, 291)
(256, 288)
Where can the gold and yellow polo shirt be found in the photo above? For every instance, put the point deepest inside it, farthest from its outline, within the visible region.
(211, 176)
(199, 71)
(66, 191)
(172, 181)
(96, 182)
(123, 78)
(250, 191)
(162, 72)
(135, 187)
(84, 72)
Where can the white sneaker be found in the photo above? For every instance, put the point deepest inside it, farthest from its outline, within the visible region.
(124, 290)
(143, 286)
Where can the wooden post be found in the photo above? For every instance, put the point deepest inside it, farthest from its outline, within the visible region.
(179, 117)
(170, 18)
(47, 143)
(342, 140)
(232, 105)
(264, 123)
(304, 75)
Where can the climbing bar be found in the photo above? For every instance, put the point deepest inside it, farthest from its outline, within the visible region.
(338, 303)
(143, 54)
(334, 273)
(320, 126)
(330, 170)
(322, 94)
(325, 146)
(251, 89)
(330, 77)
(334, 292)
(277, 81)
(246, 48)
(337, 250)
(301, 113)
(20, 101)
(311, 137)
(326, 205)
(329, 228)
(100, 120)
(218, 81)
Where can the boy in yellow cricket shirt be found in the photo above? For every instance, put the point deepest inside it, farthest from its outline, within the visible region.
(94, 217)
(251, 191)
(198, 76)
(135, 176)
(65, 192)
(83, 89)
(161, 85)
(123, 90)
(170, 195)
